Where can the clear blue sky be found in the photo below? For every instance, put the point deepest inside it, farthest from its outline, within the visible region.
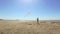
(30, 9)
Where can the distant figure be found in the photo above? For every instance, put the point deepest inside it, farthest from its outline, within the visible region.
(37, 20)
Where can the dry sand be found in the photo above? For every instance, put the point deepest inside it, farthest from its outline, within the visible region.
(30, 27)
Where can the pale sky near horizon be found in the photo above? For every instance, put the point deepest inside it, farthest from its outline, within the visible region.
(30, 9)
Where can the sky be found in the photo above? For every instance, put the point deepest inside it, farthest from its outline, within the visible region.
(30, 9)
